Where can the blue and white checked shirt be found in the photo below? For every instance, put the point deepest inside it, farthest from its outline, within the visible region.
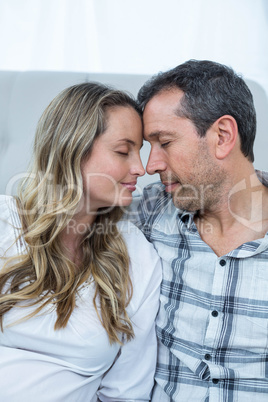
(213, 321)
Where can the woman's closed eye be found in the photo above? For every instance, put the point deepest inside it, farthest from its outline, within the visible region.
(123, 153)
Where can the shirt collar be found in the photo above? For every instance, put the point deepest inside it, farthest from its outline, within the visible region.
(262, 176)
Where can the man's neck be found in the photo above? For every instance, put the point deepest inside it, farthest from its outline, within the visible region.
(241, 215)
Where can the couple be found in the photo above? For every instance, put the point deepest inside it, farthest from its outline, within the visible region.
(80, 286)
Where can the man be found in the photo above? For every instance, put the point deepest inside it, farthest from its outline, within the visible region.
(208, 220)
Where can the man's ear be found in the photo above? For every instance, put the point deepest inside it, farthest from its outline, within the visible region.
(226, 131)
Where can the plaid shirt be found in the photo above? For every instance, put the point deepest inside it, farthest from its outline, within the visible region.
(213, 321)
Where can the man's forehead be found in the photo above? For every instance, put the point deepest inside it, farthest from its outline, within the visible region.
(166, 103)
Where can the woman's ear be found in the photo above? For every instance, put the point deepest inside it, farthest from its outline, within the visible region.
(226, 131)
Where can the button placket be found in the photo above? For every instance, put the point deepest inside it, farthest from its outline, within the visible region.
(215, 319)
(219, 275)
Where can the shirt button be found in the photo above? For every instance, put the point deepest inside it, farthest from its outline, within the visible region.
(207, 356)
(215, 313)
(215, 381)
(222, 263)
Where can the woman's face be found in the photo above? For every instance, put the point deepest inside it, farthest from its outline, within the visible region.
(110, 172)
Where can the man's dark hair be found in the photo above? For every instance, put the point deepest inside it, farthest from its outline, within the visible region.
(211, 90)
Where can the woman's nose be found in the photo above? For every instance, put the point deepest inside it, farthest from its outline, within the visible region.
(138, 168)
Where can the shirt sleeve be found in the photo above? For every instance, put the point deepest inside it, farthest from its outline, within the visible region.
(131, 377)
(145, 209)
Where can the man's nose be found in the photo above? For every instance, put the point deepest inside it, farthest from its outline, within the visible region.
(156, 162)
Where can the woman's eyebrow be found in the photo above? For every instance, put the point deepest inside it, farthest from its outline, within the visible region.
(129, 141)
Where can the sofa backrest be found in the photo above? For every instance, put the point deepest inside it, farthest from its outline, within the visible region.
(24, 96)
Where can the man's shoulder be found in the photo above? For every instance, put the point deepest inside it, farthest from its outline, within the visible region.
(153, 196)
(152, 205)
(262, 176)
(156, 187)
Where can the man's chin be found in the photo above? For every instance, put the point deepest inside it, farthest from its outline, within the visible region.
(185, 203)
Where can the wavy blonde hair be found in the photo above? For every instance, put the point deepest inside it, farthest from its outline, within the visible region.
(47, 200)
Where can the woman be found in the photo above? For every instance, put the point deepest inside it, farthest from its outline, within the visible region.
(78, 289)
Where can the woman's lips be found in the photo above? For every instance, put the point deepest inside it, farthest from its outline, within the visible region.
(130, 186)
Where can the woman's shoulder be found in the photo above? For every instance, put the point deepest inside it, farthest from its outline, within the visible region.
(9, 224)
(8, 209)
(5, 200)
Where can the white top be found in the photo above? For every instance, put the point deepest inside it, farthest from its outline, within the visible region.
(40, 364)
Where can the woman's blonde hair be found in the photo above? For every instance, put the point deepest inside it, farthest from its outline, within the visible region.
(47, 200)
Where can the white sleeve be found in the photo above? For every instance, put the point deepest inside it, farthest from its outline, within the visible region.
(131, 377)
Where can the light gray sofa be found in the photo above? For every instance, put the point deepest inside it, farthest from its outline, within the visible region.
(24, 96)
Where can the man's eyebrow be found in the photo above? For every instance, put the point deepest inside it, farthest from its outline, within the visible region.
(160, 133)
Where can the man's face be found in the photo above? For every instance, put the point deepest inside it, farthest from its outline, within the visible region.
(185, 162)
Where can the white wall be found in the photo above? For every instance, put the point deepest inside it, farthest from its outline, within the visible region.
(127, 36)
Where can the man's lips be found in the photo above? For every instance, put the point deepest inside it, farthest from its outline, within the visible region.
(170, 186)
(130, 186)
